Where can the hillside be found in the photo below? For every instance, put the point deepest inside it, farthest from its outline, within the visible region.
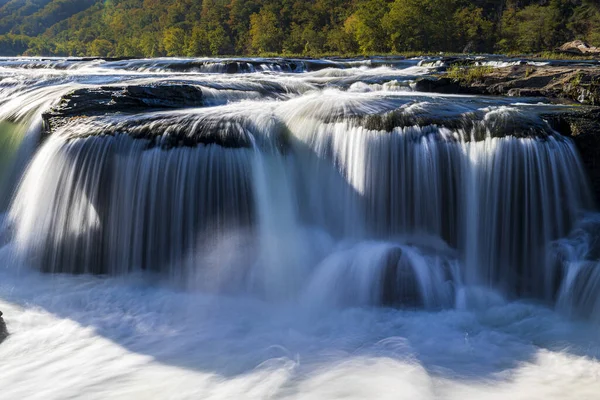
(241, 27)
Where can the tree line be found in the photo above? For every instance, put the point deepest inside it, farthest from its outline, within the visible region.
(152, 28)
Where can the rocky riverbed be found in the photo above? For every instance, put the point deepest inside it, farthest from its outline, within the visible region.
(579, 83)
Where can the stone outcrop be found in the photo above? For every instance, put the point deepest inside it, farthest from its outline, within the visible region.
(131, 99)
(106, 100)
(578, 47)
(577, 83)
(112, 110)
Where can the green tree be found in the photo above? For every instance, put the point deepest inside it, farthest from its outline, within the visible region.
(339, 40)
(365, 25)
(585, 22)
(265, 33)
(417, 25)
(100, 48)
(210, 27)
(529, 30)
(473, 29)
(239, 22)
(174, 41)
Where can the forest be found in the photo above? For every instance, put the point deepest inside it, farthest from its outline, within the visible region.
(153, 28)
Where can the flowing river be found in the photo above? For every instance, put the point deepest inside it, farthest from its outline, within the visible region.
(307, 229)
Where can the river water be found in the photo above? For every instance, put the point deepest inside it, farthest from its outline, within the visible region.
(311, 229)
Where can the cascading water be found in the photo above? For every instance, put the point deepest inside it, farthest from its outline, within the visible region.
(307, 221)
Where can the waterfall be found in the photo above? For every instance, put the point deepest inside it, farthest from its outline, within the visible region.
(21, 123)
(318, 190)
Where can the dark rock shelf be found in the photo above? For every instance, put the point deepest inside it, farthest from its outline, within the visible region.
(132, 99)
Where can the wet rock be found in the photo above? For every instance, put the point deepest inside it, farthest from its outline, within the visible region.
(400, 285)
(121, 99)
(445, 63)
(578, 47)
(130, 110)
(3, 330)
(583, 127)
(525, 92)
(445, 85)
(130, 99)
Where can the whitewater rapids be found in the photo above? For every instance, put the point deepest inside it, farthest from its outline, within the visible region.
(98, 338)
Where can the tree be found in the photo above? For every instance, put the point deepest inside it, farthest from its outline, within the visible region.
(174, 41)
(365, 25)
(239, 22)
(265, 33)
(100, 48)
(213, 27)
(473, 29)
(421, 25)
(585, 22)
(530, 29)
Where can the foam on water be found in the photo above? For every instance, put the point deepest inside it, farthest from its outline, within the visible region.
(99, 337)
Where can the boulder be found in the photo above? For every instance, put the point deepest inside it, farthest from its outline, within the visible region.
(3, 330)
(578, 47)
(444, 85)
(127, 99)
(104, 100)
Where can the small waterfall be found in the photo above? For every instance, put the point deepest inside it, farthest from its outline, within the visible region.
(576, 269)
(375, 273)
(523, 194)
(20, 131)
(110, 205)
(283, 260)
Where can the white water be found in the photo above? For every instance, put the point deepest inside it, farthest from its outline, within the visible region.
(97, 338)
(267, 271)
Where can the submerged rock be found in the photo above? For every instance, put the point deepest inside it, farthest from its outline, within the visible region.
(3, 330)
